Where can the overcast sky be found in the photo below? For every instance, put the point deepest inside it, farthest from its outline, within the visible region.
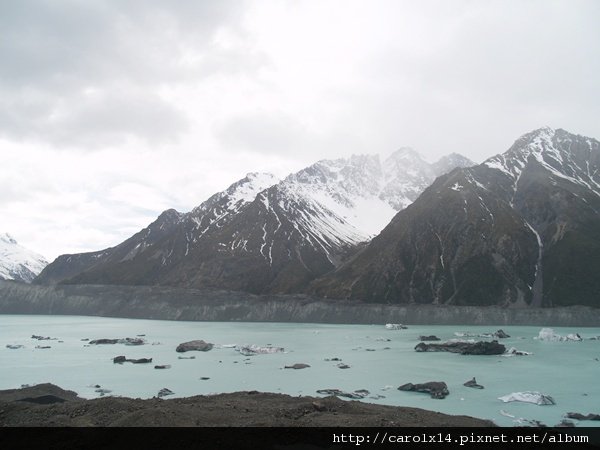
(112, 111)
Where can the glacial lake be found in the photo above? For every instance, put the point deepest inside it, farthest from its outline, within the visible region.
(380, 360)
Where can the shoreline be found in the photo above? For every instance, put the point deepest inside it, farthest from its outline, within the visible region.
(167, 303)
(47, 405)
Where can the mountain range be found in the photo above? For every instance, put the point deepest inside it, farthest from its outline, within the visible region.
(18, 263)
(520, 229)
(523, 228)
(264, 235)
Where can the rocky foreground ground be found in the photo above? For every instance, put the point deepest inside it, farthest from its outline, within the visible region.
(47, 405)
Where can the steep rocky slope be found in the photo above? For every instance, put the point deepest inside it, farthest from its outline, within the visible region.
(523, 228)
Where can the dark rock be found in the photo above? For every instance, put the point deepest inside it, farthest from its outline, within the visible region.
(429, 338)
(42, 346)
(122, 359)
(163, 366)
(205, 378)
(103, 341)
(14, 346)
(198, 345)
(579, 416)
(187, 357)
(164, 392)
(333, 359)
(126, 341)
(297, 366)
(42, 338)
(464, 348)
(437, 389)
(472, 383)
(318, 406)
(43, 400)
(500, 334)
(102, 391)
(140, 361)
(343, 366)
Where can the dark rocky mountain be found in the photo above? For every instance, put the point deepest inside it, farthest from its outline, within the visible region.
(523, 228)
(67, 266)
(261, 236)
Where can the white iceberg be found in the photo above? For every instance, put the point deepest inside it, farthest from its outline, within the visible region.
(514, 352)
(251, 350)
(528, 397)
(548, 334)
(395, 326)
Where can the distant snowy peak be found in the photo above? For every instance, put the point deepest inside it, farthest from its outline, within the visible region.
(450, 162)
(18, 263)
(367, 192)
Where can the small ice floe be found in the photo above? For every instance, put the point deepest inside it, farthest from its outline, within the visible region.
(521, 421)
(528, 397)
(514, 352)
(251, 350)
(102, 392)
(164, 392)
(43, 338)
(548, 334)
(126, 341)
(358, 394)
(472, 383)
(499, 334)
(461, 341)
(297, 366)
(395, 326)
(387, 387)
(506, 414)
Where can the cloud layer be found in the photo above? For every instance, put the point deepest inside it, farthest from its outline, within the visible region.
(111, 111)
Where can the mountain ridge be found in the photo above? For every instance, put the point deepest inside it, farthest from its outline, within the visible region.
(263, 235)
(499, 232)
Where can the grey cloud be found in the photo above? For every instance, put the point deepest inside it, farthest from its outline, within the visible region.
(278, 133)
(53, 52)
(90, 121)
(502, 69)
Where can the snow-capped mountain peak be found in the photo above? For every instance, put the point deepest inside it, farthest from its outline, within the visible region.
(566, 156)
(17, 262)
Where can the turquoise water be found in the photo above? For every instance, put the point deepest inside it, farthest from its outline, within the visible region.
(567, 371)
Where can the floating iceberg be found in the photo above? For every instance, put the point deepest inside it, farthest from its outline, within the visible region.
(395, 326)
(251, 350)
(528, 397)
(548, 334)
(514, 352)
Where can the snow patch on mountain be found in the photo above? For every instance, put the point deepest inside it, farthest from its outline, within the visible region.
(17, 262)
(557, 152)
(366, 192)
